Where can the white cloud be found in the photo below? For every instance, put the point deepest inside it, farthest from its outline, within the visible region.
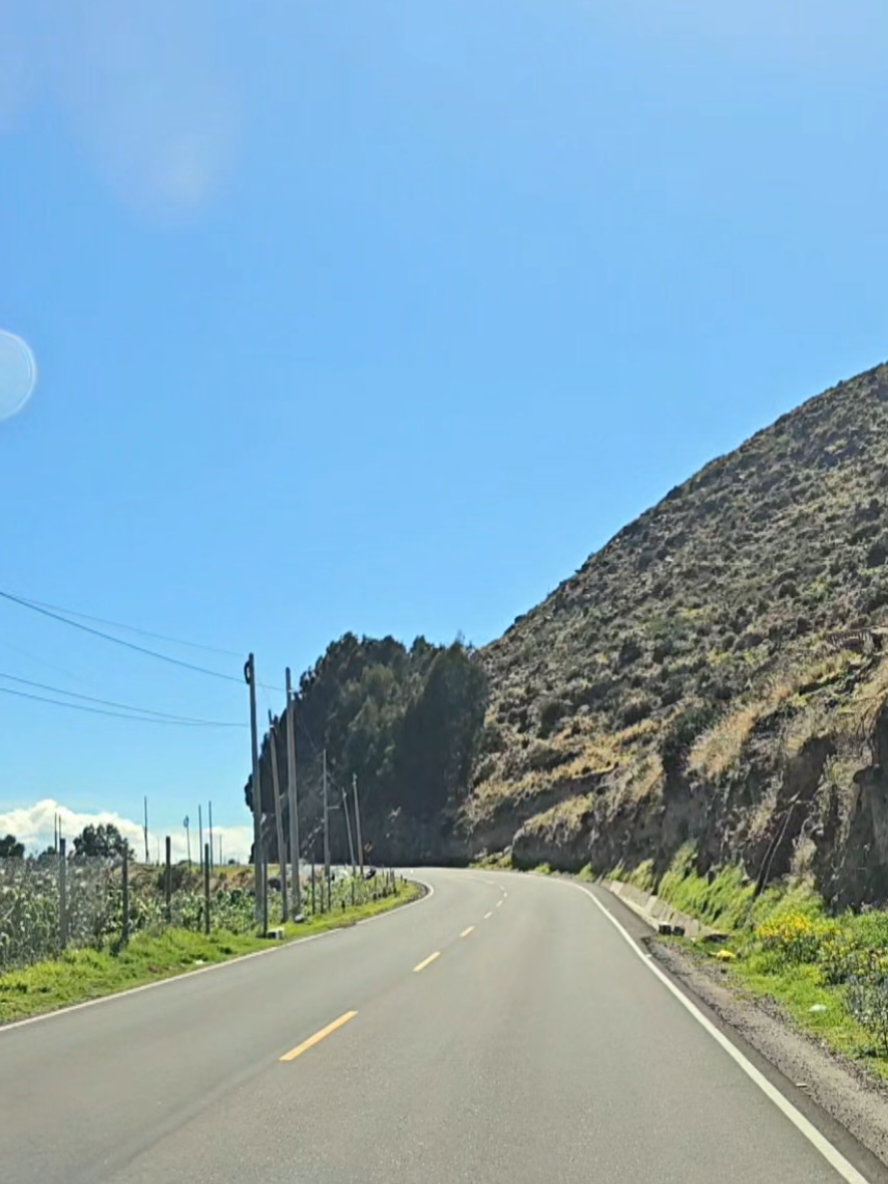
(33, 826)
(139, 84)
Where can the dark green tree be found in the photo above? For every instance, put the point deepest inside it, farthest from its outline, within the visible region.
(11, 848)
(102, 841)
(439, 733)
(406, 722)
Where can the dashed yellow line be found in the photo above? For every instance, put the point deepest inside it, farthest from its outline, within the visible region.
(318, 1037)
(427, 962)
(466, 932)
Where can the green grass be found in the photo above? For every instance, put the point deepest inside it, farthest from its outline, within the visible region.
(80, 975)
(643, 876)
(498, 861)
(725, 901)
(543, 869)
(765, 961)
(586, 873)
(799, 988)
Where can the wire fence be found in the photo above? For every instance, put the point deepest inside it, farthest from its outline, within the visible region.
(52, 903)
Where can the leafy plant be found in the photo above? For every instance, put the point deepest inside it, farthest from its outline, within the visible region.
(867, 998)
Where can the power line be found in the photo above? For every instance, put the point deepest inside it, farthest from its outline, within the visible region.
(140, 719)
(161, 715)
(40, 661)
(194, 645)
(130, 645)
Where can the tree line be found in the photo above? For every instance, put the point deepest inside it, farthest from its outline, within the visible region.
(405, 721)
(93, 842)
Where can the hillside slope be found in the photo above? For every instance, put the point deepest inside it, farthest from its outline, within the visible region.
(685, 683)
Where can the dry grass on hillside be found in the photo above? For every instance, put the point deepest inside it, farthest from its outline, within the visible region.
(696, 643)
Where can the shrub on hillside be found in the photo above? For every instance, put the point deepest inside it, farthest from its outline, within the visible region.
(630, 651)
(681, 733)
(635, 711)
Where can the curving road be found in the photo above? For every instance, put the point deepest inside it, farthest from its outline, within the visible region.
(505, 1029)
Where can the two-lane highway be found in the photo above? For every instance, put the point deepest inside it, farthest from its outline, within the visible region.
(504, 1029)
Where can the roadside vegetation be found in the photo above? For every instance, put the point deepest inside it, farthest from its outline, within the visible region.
(498, 861)
(828, 973)
(79, 975)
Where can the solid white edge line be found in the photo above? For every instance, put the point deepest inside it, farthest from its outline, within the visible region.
(831, 1154)
(177, 978)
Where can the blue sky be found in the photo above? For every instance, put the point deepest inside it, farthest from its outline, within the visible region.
(383, 316)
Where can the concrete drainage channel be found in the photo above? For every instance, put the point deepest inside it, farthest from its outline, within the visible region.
(661, 917)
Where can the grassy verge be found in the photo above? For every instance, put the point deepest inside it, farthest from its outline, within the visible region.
(81, 975)
(828, 974)
(498, 861)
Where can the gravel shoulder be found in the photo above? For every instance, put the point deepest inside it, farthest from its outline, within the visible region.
(839, 1096)
(841, 1089)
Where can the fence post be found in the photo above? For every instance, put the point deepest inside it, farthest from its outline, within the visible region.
(63, 895)
(313, 897)
(125, 873)
(168, 882)
(206, 888)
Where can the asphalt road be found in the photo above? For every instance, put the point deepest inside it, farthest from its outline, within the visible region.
(538, 1046)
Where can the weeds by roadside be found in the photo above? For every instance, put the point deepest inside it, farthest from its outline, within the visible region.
(829, 973)
(497, 861)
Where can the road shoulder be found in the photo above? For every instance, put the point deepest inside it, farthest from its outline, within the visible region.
(845, 1103)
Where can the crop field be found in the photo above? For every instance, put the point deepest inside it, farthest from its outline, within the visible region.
(34, 927)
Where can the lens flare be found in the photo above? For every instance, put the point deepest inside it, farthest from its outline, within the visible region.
(18, 374)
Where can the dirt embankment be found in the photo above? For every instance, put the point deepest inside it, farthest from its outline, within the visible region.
(714, 674)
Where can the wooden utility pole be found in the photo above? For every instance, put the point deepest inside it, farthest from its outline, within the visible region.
(187, 825)
(291, 796)
(145, 828)
(278, 818)
(200, 842)
(250, 676)
(63, 895)
(326, 832)
(168, 881)
(206, 887)
(125, 884)
(210, 806)
(351, 846)
(358, 823)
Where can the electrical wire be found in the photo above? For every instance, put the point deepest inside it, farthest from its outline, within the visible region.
(130, 645)
(141, 719)
(160, 715)
(194, 645)
(41, 661)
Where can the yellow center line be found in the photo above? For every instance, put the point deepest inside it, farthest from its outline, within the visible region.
(428, 962)
(466, 932)
(318, 1037)
(487, 916)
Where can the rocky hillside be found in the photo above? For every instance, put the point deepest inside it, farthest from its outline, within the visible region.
(688, 683)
